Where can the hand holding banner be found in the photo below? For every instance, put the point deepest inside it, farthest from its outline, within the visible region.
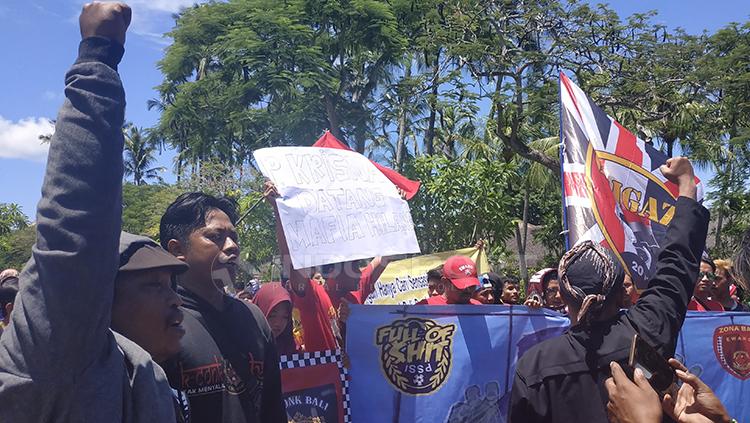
(335, 206)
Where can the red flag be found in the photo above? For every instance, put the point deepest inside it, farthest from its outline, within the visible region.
(410, 187)
(613, 190)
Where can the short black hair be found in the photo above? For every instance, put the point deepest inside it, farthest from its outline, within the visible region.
(436, 273)
(504, 280)
(709, 262)
(188, 213)
(552, 274)
(7, 296)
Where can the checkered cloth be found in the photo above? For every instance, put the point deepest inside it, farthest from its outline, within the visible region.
(318, 358)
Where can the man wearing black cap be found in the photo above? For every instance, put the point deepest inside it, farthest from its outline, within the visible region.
(59, 359)
(145, 307)
(561, 379)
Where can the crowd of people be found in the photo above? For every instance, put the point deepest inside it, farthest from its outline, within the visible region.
(103, 325)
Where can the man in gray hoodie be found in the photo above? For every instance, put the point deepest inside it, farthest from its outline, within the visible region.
(59, 360)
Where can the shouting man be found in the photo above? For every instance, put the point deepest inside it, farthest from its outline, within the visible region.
(228, 366)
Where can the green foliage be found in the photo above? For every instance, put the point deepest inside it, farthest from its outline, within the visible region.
(257, 229)
(545, 212)
(15, 247)
(448, 92)
(11, 218)
(16, 236)
(139, 152)
(462, 201)
(215, 178)
(143, 207)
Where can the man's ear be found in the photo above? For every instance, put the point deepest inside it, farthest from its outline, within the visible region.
(6, 312)
(176, 249)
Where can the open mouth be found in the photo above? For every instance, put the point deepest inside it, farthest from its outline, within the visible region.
(175, 321)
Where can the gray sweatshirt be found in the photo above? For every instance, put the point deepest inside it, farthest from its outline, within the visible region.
(59, 361)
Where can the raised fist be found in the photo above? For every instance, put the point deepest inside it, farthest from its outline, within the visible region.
(679, 171)
(108, 20)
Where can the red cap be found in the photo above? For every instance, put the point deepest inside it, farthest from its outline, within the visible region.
(461, 271)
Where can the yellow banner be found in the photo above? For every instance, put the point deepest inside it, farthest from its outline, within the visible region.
(405, 281)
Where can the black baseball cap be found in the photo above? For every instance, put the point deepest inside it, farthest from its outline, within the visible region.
(141, 253)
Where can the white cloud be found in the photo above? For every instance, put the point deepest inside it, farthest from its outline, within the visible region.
(20, 140)
(169, 6)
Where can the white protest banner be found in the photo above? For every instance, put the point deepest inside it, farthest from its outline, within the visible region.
(335, 206)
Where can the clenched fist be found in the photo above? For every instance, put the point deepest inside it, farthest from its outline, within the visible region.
(108, 20)
(679, 171)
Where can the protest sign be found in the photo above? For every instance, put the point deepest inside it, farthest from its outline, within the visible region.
(315, 387)
(613, 190)
(336, 206)
(439, 363)
(409, 187)
(405, 281)
(457, 363)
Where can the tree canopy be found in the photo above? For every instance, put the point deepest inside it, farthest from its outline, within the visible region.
(455, 93)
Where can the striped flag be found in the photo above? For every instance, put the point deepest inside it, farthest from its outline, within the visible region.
(613, 190)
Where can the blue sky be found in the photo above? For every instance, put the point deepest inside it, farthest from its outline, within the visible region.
(40, 39)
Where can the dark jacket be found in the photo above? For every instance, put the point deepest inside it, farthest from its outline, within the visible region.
(562, 379)
(228, 366)
(59, 361)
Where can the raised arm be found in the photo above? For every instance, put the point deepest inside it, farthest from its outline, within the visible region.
(298, 279)
(660, 311)
(62, 314)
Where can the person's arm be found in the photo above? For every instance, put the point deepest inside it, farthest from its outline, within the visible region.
(370, 276)
(61, 319)
(660, 311)
(299, 278)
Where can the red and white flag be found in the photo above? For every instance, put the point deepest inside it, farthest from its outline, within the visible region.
(613, 190)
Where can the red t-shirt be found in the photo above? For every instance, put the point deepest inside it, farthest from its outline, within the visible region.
(316, 314)
(707, 305)
(318, 308)
(366, 287)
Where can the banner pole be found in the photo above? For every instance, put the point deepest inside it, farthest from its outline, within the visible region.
(566, 231)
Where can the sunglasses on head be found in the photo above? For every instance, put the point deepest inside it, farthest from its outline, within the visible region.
(709, 275)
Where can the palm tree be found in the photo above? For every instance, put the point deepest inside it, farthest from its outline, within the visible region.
(139, 156)
(538, 177)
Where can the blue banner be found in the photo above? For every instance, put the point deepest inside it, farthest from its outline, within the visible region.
(456, 364)
(439, 364)
(716, 347)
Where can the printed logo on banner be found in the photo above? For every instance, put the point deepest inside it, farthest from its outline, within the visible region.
(614, 192)
(416, 354)
(476, 407)
(732, 348)
(312, 405)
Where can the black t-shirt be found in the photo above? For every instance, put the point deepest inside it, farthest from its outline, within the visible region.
(562, 379)
(228, 366)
